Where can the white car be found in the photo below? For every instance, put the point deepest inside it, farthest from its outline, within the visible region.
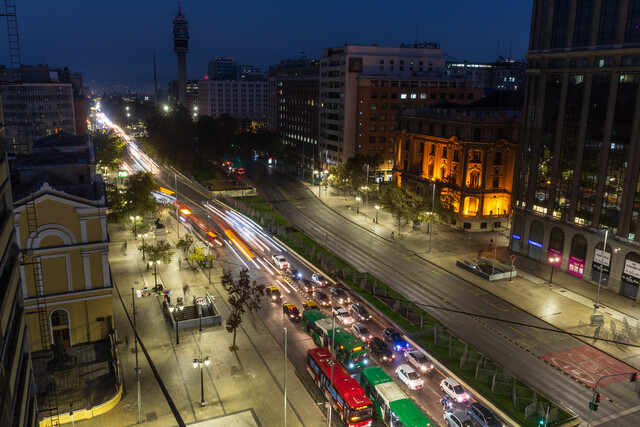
(454, 390)
(457, 418)
(361, 332)
(342, 315)
(418, 360)
(280, 262)
(409, 376)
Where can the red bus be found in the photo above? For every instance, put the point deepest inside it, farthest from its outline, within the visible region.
(348, 398)
(197, 224)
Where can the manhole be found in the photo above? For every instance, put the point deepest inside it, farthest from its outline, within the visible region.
(152, 416)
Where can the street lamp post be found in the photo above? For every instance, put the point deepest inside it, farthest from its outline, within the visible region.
(155, 272)
(358, 204)
(513, 258)
(553, 260)
(200, 301)
(143, 236)
(366, 199)
(201, 362)
(134, 220)
(604, 254)
(377, 210)
(177, 309)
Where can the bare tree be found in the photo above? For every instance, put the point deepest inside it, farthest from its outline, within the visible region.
(243, 295)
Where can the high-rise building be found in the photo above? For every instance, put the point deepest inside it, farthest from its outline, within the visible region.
(17, 386)
(500, 75)
(580, 163)
(181, 47)
(362, 88)
(38, 101)
(293, 110)
(244, 100)
(223, 69)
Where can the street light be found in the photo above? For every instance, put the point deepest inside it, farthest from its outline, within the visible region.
(200, 301)
(553, 260)
(358, 205)
(201, 362)
(377, 210)
(155, 272)
(134, 220)
(366, 199)
(143, 236)
(177, 309)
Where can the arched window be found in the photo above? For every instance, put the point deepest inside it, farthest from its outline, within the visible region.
(471, 206)
(60, 331)
(579, 246)
(474, 179)
(557, 239)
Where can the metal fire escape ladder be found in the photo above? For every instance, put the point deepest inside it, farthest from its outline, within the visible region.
(51, 398)
(12, 29)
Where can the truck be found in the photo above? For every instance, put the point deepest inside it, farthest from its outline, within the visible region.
(280, 262)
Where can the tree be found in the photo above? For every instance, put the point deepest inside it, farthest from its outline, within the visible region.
(108, 150)
(403, 204)
(184, 244)
(137, 195)
(199, 257)
(160, 251)
(242, 294)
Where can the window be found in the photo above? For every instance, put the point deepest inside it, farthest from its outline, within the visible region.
(382, 140)
(372, 140)
(372, 118)
(373, 106)
(496, 182)
(59, 318)
(497, 158)
(414, 95)
(403, 96)
(474, 179)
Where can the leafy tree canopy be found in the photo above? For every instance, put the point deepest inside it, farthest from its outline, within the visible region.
(108, 149)
(403, 204)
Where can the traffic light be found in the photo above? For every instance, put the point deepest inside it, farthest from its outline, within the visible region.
(593, 405)
(634, 377)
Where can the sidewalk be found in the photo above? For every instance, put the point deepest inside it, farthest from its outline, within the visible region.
(240, 388)
(567, 304)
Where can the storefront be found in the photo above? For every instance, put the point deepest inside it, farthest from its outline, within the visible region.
(630, 279)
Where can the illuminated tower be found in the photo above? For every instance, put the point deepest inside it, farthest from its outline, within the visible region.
(181, 47)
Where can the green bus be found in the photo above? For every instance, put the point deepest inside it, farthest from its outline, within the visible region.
(350, 351)
(393, 406)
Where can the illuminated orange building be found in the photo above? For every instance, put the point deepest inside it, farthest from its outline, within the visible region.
(468, 151)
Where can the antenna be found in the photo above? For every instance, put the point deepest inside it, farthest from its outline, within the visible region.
(510, 42)
(155, 78)
(12, 29)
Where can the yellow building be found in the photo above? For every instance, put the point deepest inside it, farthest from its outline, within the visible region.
(468, 152)
(18, 404)
(61, 229)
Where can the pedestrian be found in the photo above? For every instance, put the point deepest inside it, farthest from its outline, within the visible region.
(125, 245)
(393, 235)
(490, 243)
(444, 402)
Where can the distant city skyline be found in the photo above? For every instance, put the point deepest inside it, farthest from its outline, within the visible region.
(109, 42)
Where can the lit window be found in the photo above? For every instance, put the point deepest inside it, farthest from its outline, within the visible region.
(403, 96)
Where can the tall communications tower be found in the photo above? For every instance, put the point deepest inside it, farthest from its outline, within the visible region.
(181, 47)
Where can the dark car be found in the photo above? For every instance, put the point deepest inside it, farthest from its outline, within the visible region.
(322, 298)
(296, 274)
(380, 350)
(339, 295)
(482, 416)
(358, 312)
(394, 338)
(291, 311)
(307, 285)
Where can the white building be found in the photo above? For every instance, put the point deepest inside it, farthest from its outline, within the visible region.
(340, 70)
(244, 100)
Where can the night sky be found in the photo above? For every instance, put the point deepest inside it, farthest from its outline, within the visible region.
(112, 41)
